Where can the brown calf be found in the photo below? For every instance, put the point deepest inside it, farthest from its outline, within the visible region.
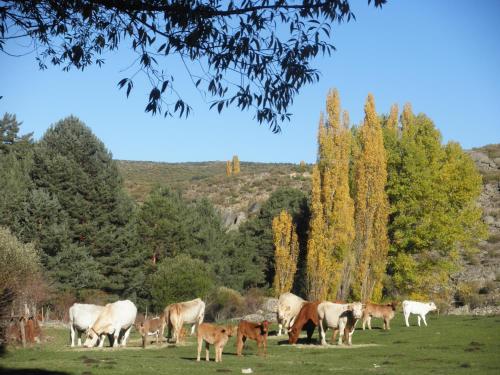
(151, 327)
(373, 310)
(253, 331)
(308, 319)
(215, 335)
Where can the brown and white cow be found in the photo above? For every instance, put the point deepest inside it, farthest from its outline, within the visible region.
(289, 306)
(151, 327)
(177, 314)
(373, 310)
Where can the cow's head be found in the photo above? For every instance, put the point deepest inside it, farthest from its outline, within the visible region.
(394, 305)
(264, 327)
(92, 338)
(432, 306)
(230, 330)
(293, 335)
(356, 308)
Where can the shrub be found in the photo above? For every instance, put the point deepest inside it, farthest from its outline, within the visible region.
(224, 303)
(180, 279)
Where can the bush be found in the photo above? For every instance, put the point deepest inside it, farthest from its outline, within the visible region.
(224, 303)
(180, 279)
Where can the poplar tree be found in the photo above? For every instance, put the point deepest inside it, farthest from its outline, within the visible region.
(332, 227)
(236, 164)
(286, 252)
(371, 208)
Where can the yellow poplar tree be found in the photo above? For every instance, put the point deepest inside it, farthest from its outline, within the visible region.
(332, 226)
(236, 164)
(371, 204)
(286, 252)
(229, 168)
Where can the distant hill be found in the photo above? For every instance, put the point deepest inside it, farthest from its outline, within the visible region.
(238, 197)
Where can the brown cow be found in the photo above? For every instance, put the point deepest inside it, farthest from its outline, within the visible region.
(253, 331)
(308, 318)
(216, 335)
(151, 327)
(373, 310)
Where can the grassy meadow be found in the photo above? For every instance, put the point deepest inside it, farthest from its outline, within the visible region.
(450, 345)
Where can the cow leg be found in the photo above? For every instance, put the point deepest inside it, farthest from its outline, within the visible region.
(239, 343)
(423, 318)
(79, 335)
(418, 319)
(200, 343)
(126, 335)
(207, 351)
(369, 322)
(72, 335)
(322, 332)
(407, 315)
(310, 331)
(280, 328)
(192, 329)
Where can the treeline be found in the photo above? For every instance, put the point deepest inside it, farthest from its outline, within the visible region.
(64, 195)
(393, 211)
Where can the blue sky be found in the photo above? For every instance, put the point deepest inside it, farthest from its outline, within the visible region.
(442, 56)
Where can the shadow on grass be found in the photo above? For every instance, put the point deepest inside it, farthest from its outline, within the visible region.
(301, 340)
(30, 371)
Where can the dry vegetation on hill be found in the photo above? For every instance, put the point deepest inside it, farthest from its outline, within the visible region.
(235, 196)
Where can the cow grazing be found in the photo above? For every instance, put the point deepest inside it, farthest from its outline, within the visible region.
(215, 335)
(151, 327)
(419, 308)
(253, 331)
(177, 314)
(306, 318)
(385, 312)
(289, 306)
(116, 319)
(81, 318)
(339, 317)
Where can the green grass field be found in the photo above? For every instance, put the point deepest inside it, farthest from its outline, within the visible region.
(450, 345)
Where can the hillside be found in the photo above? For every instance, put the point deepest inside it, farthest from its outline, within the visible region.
(238, 197)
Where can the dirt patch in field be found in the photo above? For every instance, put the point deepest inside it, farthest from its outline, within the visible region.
(354, 346)
(139, 347)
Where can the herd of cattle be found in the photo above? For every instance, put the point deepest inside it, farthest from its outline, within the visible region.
(294, 314)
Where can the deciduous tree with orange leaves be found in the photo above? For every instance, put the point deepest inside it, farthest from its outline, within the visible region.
(286, 252)
(371, 208)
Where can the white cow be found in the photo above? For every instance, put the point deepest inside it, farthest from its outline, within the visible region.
(289, 306)
(176, 314)
(81, 318)
(419, 308)
(339, 316)
(116, 319)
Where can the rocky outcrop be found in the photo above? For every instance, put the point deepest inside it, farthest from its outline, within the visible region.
(480, 276)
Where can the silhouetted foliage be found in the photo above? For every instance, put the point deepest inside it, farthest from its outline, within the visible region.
(248, 53)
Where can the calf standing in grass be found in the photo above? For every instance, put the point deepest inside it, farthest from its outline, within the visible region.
(385, 312)
(253, 331)
(419, 308)
(151, 327)
(215, 335)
